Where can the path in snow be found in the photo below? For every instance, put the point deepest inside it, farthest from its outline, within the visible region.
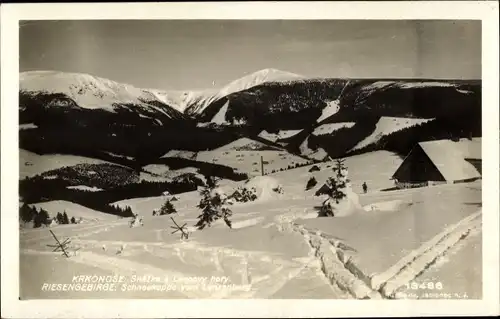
(338, 266)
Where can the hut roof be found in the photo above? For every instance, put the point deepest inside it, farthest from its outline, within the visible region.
(449, 157)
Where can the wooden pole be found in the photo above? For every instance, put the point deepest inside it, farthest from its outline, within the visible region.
(262, 165)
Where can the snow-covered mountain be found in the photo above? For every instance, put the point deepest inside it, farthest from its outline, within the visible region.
(88, 92)
(303, 114)
(91, 92)
(198, 103)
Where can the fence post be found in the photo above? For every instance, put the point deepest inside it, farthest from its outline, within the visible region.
(59, 244)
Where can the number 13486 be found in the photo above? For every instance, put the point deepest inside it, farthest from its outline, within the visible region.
(424, 285)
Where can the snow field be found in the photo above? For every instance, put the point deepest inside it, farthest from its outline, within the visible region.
(73, 210)
(430, 251)
(275, 243)
(282, 134)
(331, 127)
(31, 164)
(386, 126)
(331, 108)
(249, 161)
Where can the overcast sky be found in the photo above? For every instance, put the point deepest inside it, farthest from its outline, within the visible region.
(191, 54)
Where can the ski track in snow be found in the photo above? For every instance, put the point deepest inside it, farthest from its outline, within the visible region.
(348, 278)
(263, 286)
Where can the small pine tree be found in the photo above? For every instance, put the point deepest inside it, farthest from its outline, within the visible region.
(65, 218)
(60, 218)
(127, 212)
(243, 194)
(73, 220)
(42, 218)
(335, 189)
(167, 208)
(213, 205)
(315, 168)
(27, 213)
(311, 183)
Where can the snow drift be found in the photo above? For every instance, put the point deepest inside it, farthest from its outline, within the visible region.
(266, 187)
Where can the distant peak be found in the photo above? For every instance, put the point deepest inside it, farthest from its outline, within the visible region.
(275, 71)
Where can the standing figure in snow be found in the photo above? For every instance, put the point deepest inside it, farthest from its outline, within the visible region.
(365, 187)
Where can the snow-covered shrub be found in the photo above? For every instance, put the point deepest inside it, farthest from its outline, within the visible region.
(136, 221)
(335, 188)
(278, 189)
(244, 194)
(265, 187)
(214, 205)
(311, 183)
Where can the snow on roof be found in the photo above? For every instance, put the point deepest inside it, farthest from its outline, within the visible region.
(471, 148)
(449, 157)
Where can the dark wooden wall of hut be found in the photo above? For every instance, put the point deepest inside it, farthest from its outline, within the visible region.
(417, 167)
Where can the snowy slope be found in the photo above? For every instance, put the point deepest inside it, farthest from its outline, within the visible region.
(31, 164)
(388, 125)
(277, 246)
(85, 188)
(330, 128)
(180, 154)
(380, 85)
(318, 154)
(331, 108)
(220, 117)
(73, 210)
(282, 134)
(245, 144)
(266, 75)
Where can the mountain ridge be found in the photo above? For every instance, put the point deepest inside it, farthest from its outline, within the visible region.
(268, 100)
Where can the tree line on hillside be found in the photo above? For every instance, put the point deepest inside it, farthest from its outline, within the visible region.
(204, 168)
(341, 141)
(292, 105)
(102, 175)
(104, 132)
(413, 100)
(289, 167)
(41, 217)
(43, 190)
